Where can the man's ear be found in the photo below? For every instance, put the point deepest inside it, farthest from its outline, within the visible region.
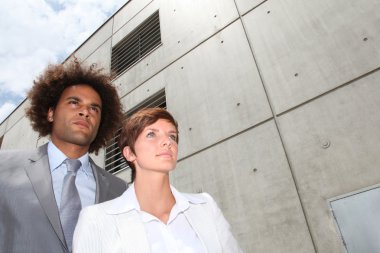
(50, 114)
(128, 154)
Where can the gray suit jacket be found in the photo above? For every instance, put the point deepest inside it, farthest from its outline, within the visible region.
(29, 217)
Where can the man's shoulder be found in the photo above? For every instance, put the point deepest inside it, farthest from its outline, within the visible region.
(15, 155)
(13, 161)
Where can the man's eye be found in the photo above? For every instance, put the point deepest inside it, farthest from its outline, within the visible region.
(94, 108)
(73, 102)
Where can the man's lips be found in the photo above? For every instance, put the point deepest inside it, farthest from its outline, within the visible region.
(81, 123)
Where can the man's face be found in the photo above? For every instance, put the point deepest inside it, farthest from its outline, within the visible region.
(76, 117)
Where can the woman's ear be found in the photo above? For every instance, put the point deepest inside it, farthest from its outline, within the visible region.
(128, 154)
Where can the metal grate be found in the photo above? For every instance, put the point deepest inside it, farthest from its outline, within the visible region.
(114, 161)
(136, 44)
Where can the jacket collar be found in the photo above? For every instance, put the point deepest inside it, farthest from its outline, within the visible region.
(128, 201)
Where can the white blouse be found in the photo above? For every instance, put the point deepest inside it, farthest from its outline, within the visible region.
(175, 236)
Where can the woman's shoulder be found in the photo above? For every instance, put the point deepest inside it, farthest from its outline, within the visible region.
(103, 208)
(199, 198)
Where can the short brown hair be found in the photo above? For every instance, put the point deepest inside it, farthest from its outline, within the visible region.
(47, 90)
(135, 124)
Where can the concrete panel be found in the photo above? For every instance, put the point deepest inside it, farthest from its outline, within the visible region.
(17, 115)
(128, 12)
(101, 57)
(333, 144)
(246, 5)
(95, 41)
(180, 32)
(3, 127)
(305, 48)
(20, 136)
(216, 87)
(250, 179)
(144, 92)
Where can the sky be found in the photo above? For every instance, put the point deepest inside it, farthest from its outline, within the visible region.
(34, 33)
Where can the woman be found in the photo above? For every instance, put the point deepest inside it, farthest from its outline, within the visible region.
(152, 216)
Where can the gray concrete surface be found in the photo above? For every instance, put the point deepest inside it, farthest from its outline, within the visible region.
(277, 103)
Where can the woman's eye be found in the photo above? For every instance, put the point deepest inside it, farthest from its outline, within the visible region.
(150, 134)
(173, 137)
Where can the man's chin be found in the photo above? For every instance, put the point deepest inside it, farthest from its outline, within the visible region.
(82, 140)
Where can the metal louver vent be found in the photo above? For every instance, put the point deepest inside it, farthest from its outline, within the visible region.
(114, 161)
(136, 44)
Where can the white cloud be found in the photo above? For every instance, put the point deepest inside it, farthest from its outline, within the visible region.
(5, 109)
(36, 32)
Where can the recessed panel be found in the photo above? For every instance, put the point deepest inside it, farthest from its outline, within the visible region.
(249, 178)
(357, 217)
(333, 145)
(305, 48)
(215, 91)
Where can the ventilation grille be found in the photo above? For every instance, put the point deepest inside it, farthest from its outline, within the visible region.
(137, 44)
(114, 161)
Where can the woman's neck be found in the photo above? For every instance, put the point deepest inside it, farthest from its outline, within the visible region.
(154, 195)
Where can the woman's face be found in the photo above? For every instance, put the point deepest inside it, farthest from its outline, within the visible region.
(156, 148)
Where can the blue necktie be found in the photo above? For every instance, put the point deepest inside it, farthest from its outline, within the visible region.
(70, 202)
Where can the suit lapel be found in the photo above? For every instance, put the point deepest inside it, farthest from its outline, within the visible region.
(40, 177)
(202, 223)
(102, 185)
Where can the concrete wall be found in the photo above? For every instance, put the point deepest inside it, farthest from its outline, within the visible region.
(277, 103)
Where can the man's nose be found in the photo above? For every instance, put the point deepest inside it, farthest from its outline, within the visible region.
(83, 111)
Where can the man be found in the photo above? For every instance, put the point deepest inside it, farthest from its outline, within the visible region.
(40, 192)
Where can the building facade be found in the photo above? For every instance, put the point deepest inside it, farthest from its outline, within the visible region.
(277, 103)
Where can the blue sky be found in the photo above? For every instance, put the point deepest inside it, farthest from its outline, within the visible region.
(35, 33)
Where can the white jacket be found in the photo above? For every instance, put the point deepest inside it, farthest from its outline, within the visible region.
(115, 227)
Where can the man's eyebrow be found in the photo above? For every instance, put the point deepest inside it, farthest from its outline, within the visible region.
(73, 97)
(78, 99)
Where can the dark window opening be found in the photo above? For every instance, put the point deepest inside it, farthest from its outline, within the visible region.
(137, 44)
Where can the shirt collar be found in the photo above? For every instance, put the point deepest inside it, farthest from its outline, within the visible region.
(128, 201)
(57, 157)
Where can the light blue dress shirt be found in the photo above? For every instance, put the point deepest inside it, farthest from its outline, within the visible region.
(85, 180)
